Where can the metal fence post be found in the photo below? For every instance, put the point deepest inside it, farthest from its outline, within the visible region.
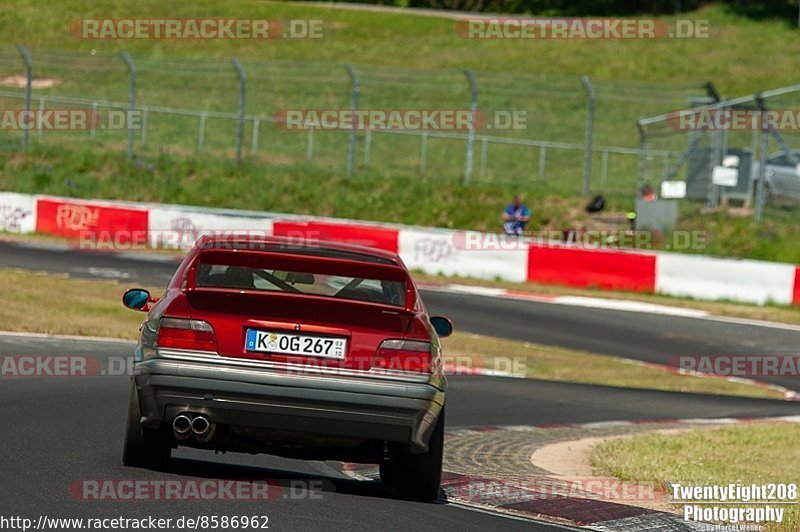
(256, 128)
(762, 162)
(542, 161)
(587, 154)
(423, 153)
(201, 132)
(473, 107)
(41, 113)
(310, 144)
(131, 99)
(484, 155)
(240, 120)
(354, 103)
(28, 82)
(716, 150)
(368, 147)
(145, 119)
(640, 165)
(93, 125)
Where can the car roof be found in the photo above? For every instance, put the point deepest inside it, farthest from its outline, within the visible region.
(300, 246)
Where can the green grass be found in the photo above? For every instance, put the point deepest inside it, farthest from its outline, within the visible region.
(404, 62)
(549, 363)
(753, 453)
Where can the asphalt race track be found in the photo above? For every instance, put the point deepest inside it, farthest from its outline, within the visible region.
(60, 430)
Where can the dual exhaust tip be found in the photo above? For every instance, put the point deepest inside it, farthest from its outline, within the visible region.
(184, 426)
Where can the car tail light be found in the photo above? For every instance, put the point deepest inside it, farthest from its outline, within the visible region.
(404, 355)
(181, 333)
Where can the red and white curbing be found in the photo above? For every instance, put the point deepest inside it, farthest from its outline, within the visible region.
(531, 501)
(434, 251)
(788, 395)
(460, 431)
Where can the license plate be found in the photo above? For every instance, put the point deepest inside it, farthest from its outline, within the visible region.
(295, 344)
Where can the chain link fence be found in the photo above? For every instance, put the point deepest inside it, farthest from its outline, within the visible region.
(573, 134)
(741, 150)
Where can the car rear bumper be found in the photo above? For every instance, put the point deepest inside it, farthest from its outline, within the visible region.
(340, 406)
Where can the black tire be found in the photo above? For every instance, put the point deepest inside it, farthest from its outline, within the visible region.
(419, 476)
(143, 447)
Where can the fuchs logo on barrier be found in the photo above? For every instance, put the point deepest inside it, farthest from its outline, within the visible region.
(481, 490)
(196, 28)
(543, 28)
(739, 365)
(69, 119)
(63, 366)
(735, 120)
(74, 217)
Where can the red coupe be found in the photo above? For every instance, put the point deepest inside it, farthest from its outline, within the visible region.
(308, 350)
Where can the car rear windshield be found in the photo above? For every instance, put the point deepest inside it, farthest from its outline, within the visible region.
(336, 286)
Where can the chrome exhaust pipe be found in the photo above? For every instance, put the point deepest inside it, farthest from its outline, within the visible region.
(202, 428)
(182, 427)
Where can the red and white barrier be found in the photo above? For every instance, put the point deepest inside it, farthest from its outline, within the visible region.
(439, 252)
(180, 227)
(434, 251)
(592, 268)
(17, 212)
(714, 278)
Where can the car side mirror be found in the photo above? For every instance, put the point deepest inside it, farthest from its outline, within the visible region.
(443, 326)
(137, 299)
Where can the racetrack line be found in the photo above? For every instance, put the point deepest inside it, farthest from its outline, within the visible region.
(641, 336)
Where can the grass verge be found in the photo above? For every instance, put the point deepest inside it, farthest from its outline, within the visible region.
(57, 304)
(748, 454)
(567, 365)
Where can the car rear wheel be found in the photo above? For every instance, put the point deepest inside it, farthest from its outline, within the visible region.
(418, 476)
(143, 447)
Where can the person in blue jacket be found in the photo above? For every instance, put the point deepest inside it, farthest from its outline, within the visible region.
(515, 217)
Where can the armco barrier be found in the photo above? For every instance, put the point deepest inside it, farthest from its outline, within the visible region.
(364, 235)
(429, 250)
(17, 212)
(713, 278)
(796, 290)
(608, 270)
(180, 228)
(71, 219)
(436, 251)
